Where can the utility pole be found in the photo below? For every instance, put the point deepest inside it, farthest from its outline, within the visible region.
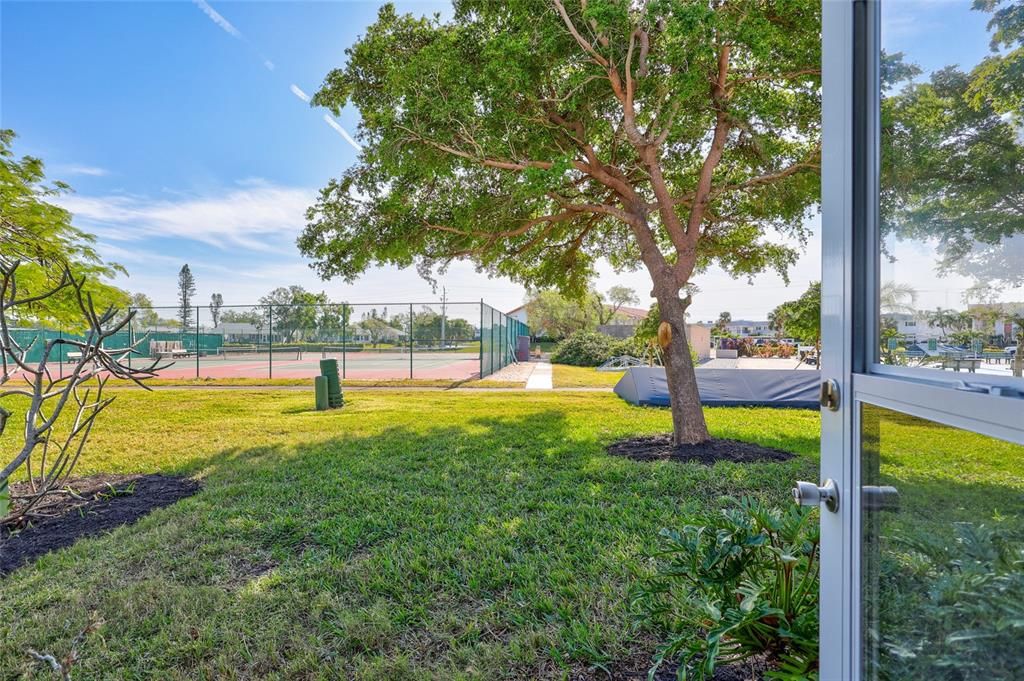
(444, 312)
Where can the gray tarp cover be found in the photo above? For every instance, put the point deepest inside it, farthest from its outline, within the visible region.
(726, 387)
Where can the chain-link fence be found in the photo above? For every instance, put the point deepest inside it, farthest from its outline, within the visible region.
(449, 340)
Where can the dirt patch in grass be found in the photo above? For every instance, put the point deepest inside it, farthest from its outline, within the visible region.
(660, 448)
(99, 504)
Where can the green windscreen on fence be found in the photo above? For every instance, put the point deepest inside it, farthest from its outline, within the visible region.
(437, 340)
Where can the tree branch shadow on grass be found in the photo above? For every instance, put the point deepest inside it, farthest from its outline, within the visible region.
(504, 545)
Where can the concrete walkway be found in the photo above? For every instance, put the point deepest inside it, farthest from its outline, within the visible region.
(540, 379)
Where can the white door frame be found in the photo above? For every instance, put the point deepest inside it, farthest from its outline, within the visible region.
(849, 306)
(837, 607)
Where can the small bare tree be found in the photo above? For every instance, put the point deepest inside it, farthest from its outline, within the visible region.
(61, 410)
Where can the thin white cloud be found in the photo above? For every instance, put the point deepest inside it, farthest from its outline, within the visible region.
(217, 18)
(256, 216)
(297, 91)
(341, 131)
(75, 169)
(269, 64)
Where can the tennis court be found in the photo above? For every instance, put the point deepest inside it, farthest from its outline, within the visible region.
(453, 341)
(298, 362)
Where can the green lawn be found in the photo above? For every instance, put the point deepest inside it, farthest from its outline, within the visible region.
(565, 376)
(409, 535)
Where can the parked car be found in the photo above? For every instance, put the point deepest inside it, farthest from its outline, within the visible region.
(1011, 350)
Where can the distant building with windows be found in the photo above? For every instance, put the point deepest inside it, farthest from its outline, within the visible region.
(913, 327)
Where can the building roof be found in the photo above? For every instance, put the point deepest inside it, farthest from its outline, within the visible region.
(632, 312)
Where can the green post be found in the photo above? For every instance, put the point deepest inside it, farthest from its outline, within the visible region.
(197, 341)
(270, 341)
(410, 341)
(344, 335)
(320, 387)
(481, 334)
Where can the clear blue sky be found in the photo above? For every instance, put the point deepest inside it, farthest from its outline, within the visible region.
(180, 127)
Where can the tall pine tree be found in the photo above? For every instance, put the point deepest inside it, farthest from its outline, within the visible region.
(186, 289)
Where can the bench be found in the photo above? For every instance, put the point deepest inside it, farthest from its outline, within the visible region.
(955, 363)
(173, 349)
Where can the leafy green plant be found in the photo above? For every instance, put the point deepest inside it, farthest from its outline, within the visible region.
(953, 609)
(584, 349)
(742, 586)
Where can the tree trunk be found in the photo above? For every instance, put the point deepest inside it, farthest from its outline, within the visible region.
(688, 422)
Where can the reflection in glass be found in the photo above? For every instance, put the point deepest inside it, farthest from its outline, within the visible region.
(942, 560)
(952, 186)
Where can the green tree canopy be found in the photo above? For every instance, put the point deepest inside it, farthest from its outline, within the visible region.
(555, 315)
(40, 233)
(534, 137)
(607, 306)
(292, 311)
(953, 155)
(801, 318)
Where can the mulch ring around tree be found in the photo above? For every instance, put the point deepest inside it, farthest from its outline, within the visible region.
(100, 503)
(660, 448)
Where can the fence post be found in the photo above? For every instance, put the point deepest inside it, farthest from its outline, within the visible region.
(270, 342)
(492, 341)
(344, 335)
(60, 355)
(131, 338)
(197, 341)
(481, 334)
(410, 341)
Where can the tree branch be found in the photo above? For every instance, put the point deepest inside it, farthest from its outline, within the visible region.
(583, 42)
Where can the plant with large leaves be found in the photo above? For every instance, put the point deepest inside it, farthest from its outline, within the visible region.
(748, 581)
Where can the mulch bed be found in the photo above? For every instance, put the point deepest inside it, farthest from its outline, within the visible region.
(660, 448)
(101, 503)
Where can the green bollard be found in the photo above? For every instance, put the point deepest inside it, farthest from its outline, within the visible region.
(320, 386)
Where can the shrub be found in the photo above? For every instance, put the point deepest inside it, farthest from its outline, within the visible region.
(744, 585)
(953, 608)
(584, 349)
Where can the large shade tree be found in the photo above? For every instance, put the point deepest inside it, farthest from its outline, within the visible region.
(953, 155)
(534, 137)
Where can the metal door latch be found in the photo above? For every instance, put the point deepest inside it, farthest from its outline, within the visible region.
(809, 494)
(829, 397)
(879, 498)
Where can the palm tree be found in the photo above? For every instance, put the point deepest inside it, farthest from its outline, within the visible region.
(895, 298)
(948, 320)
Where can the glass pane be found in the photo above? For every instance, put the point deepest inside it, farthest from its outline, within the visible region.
(951, 264)
(942, 559)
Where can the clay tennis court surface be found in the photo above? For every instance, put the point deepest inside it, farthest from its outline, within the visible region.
(292, 364)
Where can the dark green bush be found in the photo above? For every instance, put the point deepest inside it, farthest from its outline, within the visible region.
(584, 349)
(744, 585)
(953, 610)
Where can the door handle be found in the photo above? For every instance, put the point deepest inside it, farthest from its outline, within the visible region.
(809, 494)
(880, 498)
